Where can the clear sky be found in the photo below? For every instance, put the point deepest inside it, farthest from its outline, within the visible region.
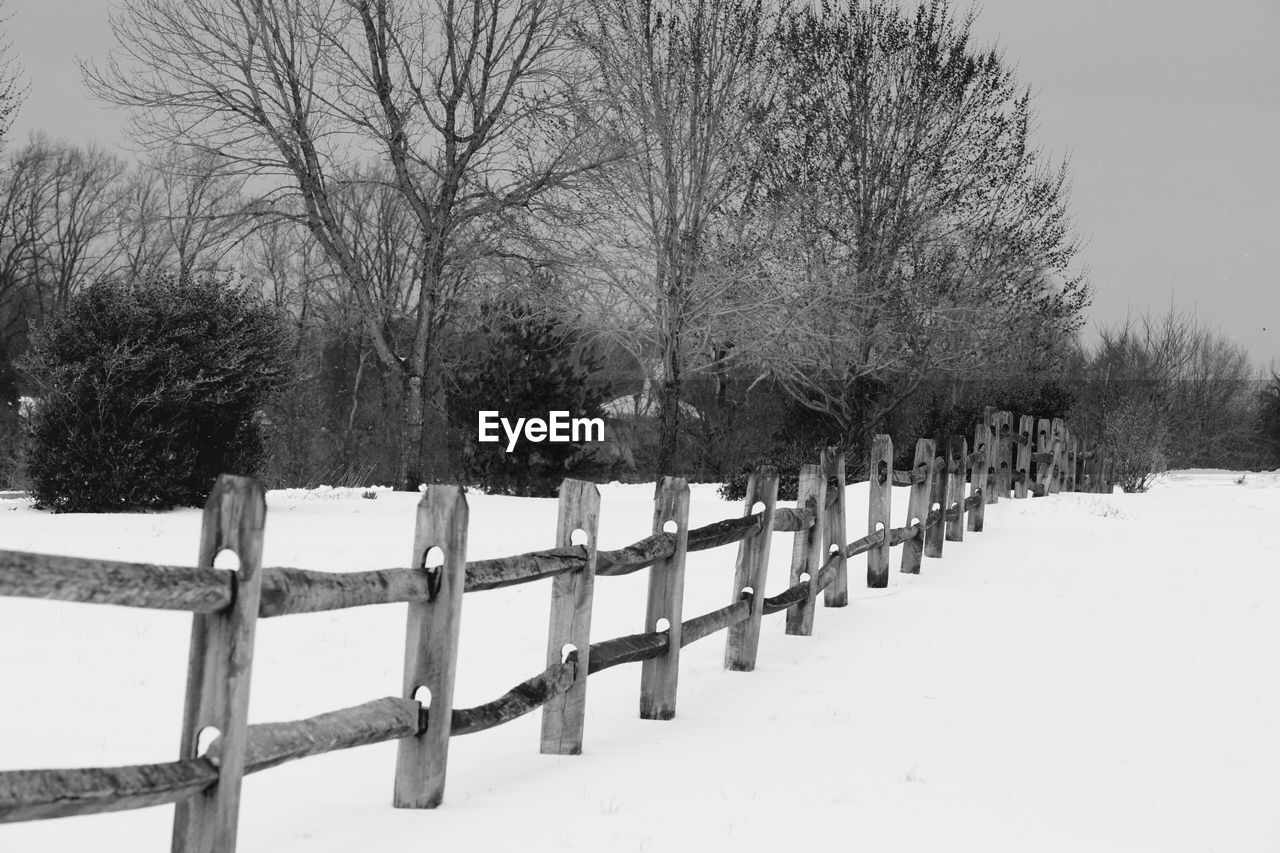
(1168, 109)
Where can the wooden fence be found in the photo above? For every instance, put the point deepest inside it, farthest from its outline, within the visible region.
(1040, 458)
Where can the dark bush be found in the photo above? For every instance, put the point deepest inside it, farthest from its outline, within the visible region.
(531, 363)
(148, 389)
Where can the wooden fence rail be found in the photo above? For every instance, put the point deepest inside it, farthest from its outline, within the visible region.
(226, 604)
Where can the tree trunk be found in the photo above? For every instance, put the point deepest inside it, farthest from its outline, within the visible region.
(409, 468)
(669, 413)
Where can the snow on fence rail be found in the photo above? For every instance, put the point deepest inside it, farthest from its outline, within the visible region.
(205, 785)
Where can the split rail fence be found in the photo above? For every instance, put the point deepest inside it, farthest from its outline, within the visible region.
(1039, 458)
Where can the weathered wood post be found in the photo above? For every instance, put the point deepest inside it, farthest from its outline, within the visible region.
(1022, 473)
(569, 635)
(918, 505)
(991, 490)
(837, 593)
(936, 535)
(659, 676)
(1057, 434)
(1073, 463)
(1044, 453)
(431, 645)
(220, 664)
(806, 547)
(752, 571)
(957, 462)
(979, 471)
(1004, 458)
(881, 486)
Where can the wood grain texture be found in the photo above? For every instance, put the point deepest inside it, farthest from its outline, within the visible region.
(880, 463)
(807, 548)
(1004, 459)
(1073, 463)
(717, 620)
(1022, 461)
(751, 571)
(570, 625)
(633, 648)
(220, 666)
(273, 744)
(659, 676)
(918, 505)
(42, 794)
(786, 520)
(431, 646)
(526, 696)
(1056, 439)
(957, 453)
(836, 594)
(978, 473)
(50, 576)
(866, 543)
(935, 528)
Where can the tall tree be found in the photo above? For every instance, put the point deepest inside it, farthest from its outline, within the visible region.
(681, 80)
(441, 99)
(923, 228)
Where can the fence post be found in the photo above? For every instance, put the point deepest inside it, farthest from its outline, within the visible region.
(1044, 444)
(569, 634)
(1004, 470)
(431, 645)
(990, 491)
(220, 664)
(1057, 434)
(979, 468)
(751, 572)
(957, 462)
(918, 505)
(881, 486)
(806, 547)
(658, 676)
(936, 535)
(1022, 477)
(837, 593)
(1073, 462)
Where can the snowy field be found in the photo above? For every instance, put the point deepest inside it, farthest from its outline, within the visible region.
(1092, 673)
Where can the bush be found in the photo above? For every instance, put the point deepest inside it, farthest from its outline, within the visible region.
(148, 389)
(531, 363)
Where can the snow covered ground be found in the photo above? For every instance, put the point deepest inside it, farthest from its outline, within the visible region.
(1092, 673)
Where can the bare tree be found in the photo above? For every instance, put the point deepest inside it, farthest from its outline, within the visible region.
(924, 229)
(681, 81)
(442, 100)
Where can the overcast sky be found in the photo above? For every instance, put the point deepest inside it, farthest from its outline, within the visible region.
(1168, 109)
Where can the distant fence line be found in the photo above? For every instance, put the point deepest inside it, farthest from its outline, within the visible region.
(1040, 458)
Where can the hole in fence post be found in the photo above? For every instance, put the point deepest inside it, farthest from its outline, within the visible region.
(663, 624)
(578, 537)
(757, 507)
(227, 559)
(207, 735)
(833, 550)
(882, 472)
(804, 577)
(670, 526)
(879, 526)
(934, 506)
(433, 559)
(422, 695)
(566, 650)
(746, 591)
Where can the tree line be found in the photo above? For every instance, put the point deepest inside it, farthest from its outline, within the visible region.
(764, 226)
